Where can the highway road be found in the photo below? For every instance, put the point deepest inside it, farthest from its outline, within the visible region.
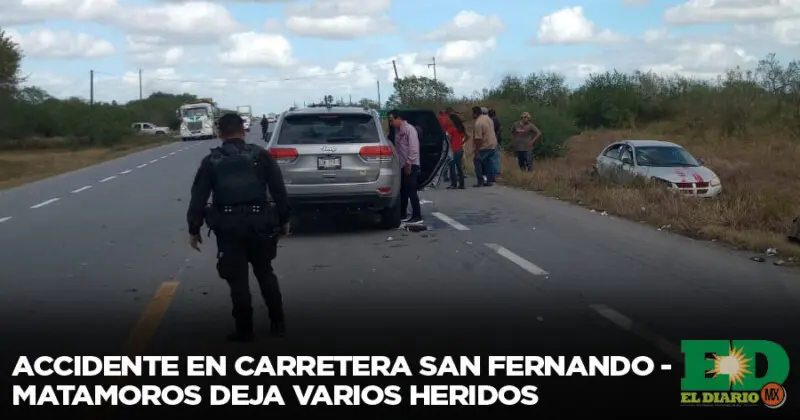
(97, 262)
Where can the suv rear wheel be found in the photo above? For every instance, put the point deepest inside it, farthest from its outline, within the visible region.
(391, 217)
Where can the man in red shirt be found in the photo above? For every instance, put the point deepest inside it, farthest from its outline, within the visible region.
(454, 126)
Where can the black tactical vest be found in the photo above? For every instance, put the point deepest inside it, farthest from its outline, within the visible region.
(237, 175)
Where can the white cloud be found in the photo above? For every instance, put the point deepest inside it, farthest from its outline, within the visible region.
(464, 51)
(185, 22)
(701, 59)
(695, 12)
(787, 32)
(691, 56)
(783, 32)
(21, 12)
(251, 49)
(191, 22)
(570, 26)
(339, 19)
(468, 25)
(45, 43)
(156, 51)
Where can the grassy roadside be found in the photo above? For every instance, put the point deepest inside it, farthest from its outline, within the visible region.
(43, 159)
(755, 211)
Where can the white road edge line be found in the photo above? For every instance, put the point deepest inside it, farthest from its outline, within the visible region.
(627, 324)
(450, 221)
(516, 259)
(5, 219)
(141, 166)
(81, 189)
(153, 161)
(108, 179)
(127, 171)
(44, 203)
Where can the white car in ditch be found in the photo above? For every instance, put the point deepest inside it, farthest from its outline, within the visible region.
(660, 161)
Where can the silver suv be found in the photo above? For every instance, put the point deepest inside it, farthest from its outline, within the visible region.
(339, 157)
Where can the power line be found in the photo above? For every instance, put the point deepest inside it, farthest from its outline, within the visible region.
(283, 79)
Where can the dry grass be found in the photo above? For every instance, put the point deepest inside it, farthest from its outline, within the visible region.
(18, 167)
(760, 180)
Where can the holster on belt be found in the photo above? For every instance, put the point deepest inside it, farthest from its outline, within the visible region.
(211, 216)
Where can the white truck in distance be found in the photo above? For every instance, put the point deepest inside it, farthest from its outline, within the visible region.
(246, 112)
(198, 120)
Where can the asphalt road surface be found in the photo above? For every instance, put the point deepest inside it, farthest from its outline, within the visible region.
(97, 261)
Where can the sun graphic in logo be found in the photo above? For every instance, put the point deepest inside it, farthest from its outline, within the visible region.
(735, 365)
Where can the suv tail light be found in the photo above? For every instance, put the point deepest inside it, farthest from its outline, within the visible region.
(376, 153)
(283, 154)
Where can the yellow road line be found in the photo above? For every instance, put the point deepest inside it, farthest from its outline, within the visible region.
(140, 337)
(146, 328)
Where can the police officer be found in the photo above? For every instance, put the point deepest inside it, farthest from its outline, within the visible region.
(264, 127)
(243, 221)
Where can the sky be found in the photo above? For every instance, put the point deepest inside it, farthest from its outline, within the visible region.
(271, 54)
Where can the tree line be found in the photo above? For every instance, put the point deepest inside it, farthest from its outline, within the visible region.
(737, 105)
(32, 118)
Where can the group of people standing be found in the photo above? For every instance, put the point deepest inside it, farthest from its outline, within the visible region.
(486, 144)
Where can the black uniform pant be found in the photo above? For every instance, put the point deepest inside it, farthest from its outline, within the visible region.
(236, 252)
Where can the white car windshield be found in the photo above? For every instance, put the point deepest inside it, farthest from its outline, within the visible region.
(195, 112)
(664, 156)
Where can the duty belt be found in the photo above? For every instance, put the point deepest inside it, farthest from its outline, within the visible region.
(253, 208)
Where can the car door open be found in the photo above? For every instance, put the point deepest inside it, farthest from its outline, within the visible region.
(433, 144)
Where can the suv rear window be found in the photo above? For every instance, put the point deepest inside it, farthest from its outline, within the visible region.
(328, 129)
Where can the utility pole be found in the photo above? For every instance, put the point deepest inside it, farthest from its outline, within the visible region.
(140, 84)
(397, 81)
(351, 99)
(379, 94)
(91, 87)
(433, 64)
(91, 105)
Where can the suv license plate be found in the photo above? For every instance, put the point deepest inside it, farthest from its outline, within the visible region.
(327, 163)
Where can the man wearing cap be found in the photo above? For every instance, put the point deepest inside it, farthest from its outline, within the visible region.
(525, 134)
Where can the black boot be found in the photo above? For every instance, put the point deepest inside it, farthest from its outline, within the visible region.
(278, 328)
(243, 333)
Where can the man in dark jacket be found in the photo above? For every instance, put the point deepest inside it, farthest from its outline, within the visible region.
(239, 175)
